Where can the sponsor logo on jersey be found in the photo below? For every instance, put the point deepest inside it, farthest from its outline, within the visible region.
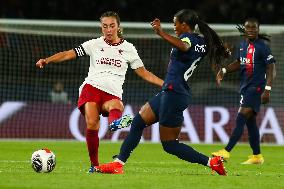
(244, 60)
(109, 61)
(199, 48)
(120, 51)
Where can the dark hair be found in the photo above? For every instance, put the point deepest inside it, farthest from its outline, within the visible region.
(215, 46)
(241, 29)
(115, 15)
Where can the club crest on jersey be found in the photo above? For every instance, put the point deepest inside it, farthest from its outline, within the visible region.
(109, 61)
(199, 48)
(120, 51)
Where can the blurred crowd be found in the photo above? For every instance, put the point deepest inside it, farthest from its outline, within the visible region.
(212, 11)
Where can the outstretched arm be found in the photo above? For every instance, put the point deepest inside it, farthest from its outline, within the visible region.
(58, 57)
(178, 43)
(148, 76)
(230, 68)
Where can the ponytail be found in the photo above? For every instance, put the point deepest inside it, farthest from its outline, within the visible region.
(215, 46)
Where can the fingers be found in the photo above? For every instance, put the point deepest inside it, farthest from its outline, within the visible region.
(40, 63)
(155, 22)
(218, 81)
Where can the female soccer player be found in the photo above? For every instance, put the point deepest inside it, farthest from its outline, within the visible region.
(257, 67)
(167, 106)
(101, 92)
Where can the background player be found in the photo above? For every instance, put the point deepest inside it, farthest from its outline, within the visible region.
(257, 68)
(167, 106)
(101, 92)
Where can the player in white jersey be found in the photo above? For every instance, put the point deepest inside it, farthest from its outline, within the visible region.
(101, 91)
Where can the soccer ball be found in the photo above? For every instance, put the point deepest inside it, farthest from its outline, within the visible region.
(43, 161)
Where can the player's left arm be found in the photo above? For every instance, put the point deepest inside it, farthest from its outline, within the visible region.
(148, 76)
(181, 44)
(270, 75)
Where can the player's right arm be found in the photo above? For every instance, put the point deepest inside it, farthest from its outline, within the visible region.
(228, 69)
(176, 42)
(56, 58)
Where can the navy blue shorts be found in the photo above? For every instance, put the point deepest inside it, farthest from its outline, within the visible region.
(251, 98)
(168, 107)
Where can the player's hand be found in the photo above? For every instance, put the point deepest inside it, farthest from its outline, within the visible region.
(41, 63)
(219, 78)
(156, 25)
(265, 97)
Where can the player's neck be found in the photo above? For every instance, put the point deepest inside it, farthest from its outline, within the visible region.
(114, 41)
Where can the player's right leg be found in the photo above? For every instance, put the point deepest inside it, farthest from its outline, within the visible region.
(89, 103)
(146, 116)
(93, 124)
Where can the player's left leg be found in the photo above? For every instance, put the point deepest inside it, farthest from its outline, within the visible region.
(253, 101)
(113, 106)
(254, 141)
(172, 146)
(254, 137)
(170, 119)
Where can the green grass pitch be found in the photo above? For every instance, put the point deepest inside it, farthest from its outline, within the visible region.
(148, 167)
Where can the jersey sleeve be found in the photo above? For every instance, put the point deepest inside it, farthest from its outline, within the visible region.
(186, 38)
(79, 51)
(269, 59)
(134, 59)
(84, 49)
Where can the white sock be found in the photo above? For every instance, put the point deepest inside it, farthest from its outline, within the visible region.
(119, 161)
(208, 163)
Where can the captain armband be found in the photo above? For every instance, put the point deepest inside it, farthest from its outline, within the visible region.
(79, 51)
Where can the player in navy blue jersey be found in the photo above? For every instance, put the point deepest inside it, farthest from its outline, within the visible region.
(168, 105)
(257, 69)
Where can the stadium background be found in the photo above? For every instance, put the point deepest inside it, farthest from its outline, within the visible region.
(27, 90)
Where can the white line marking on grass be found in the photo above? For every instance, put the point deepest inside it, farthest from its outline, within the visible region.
(13, 161)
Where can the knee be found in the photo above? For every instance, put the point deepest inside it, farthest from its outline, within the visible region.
(113, 104)
(170, 146)
(92, 123)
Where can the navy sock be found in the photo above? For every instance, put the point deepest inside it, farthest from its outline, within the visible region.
(237, 133)
(184, 152)
(254, 137)
(133, 138)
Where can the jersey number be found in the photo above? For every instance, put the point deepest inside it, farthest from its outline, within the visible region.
(190, 70)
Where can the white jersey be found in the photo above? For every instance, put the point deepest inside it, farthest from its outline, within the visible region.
(108, 64)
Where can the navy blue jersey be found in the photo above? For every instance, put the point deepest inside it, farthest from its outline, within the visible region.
(182, 64)
(254, 56)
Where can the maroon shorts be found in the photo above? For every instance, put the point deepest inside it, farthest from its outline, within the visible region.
(92, 94)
